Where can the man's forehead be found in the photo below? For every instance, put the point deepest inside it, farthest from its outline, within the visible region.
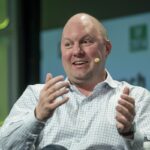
(89, 23)
(80, 21)
(79, 31)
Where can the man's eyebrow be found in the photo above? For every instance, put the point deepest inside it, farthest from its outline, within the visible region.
(83, 37)
(65, 39)
(89, 37)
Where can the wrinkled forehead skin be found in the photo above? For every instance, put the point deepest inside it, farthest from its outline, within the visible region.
(89, 23)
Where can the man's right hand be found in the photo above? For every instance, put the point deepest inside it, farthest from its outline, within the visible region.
(53, 88)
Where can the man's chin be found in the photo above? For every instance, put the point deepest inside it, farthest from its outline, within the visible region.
(79, 79)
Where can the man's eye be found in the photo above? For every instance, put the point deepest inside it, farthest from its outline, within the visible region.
(68, 45)
(87, 41)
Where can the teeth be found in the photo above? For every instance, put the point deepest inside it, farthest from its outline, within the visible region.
(79, 62)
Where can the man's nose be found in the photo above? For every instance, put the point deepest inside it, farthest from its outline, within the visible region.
(78, 49)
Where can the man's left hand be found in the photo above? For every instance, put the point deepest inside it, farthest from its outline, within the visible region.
(125, 112)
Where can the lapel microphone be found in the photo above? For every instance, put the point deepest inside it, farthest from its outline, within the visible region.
(97, 60)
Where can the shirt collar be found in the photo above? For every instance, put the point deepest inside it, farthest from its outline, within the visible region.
(108, 81)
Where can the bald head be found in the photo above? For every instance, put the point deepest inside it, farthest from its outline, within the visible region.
(83, 39)
(87, 20)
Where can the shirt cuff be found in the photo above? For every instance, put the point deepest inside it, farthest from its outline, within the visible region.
(33, 125)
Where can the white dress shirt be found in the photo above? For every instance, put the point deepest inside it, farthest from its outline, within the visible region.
(83, 123)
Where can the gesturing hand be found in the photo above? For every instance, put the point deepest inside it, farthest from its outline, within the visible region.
(125, 112)
(53, 88)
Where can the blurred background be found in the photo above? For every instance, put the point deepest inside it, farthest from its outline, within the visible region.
(30, 33)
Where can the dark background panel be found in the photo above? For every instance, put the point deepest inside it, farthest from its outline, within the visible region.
(54, 13)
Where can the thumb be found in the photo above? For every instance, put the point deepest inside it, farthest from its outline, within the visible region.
(48, 77)
(126, 90)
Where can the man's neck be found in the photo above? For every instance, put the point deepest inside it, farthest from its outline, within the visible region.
(86, 88)
(85, 91)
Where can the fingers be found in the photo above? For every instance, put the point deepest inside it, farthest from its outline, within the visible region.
(126, 91)
(58, 87)
(51, 81)
(54, 88)
(120, 127)
(125, 111)
(123, 123)
(57, 94)
(126, 99)
(126, 106)
(48, 77)
(58, 103)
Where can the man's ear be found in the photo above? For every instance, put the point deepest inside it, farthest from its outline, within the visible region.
(108, 47)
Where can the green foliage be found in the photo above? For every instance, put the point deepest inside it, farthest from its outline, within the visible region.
(1, 122)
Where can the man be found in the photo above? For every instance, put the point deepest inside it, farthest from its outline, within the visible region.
(88, 110)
